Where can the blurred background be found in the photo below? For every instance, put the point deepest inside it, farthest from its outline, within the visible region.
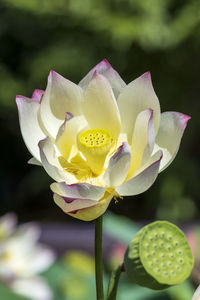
(70, 37)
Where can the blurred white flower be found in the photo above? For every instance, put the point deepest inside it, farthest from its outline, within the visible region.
(196, 295)
(22, 258)
(7, 224)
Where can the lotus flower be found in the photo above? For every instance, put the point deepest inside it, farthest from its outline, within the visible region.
(99, 139)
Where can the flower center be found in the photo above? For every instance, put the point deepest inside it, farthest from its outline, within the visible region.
(95, 144)
(95, 138)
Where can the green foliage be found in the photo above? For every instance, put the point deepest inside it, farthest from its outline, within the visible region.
(174, 204)
(183, 291)
(7, 294)
(120, 228)
(126, 288)
(153, 24)
(76, 269)
(73, 277)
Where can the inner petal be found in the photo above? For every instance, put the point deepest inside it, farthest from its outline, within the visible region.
(67, 135)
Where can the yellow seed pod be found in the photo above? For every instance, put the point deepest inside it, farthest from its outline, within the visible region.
(95, 144)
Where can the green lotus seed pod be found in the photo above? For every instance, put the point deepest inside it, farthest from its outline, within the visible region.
(159, 256)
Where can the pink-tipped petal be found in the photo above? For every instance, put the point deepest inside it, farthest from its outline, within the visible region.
(68, 116)
(37, 95)
(61, 96)
(137, 96)
(50, 162)
(78, 191)
(99, 106)
(30, 127)
(118, 167)
(105, 68)
(143, 181)
(169, 136)
(93, 212)
(74, 205)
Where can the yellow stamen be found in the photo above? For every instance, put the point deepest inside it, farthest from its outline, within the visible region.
(117, 197)
(95, 144)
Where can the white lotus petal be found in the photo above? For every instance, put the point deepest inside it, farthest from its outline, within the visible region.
(68, 205)
(50, 162)
(78, 191)
(142, 140)
(169, 136)
(35, 288)
(37, 95)
(93, 212)
(34, 161)
(134, 98)
(141, 182)
(30, 128)
(66, 139)
(61, 96)
(105, 68)
(118, 167)
(99, 106)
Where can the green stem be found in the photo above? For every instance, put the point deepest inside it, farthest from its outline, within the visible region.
(113, 283)
(98, 259)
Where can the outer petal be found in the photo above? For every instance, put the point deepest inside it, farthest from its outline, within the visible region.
(169, 136)
(143, 180)
(51, 164)
(99, 106)
(61, 96)
(91, 213)
(134, 98)
(78, 191)
(105, 68)
(142, 140)
(30, 127)
(118, 167)
(34, 161)
(67, 136)
(72, 205)
(37, 95)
